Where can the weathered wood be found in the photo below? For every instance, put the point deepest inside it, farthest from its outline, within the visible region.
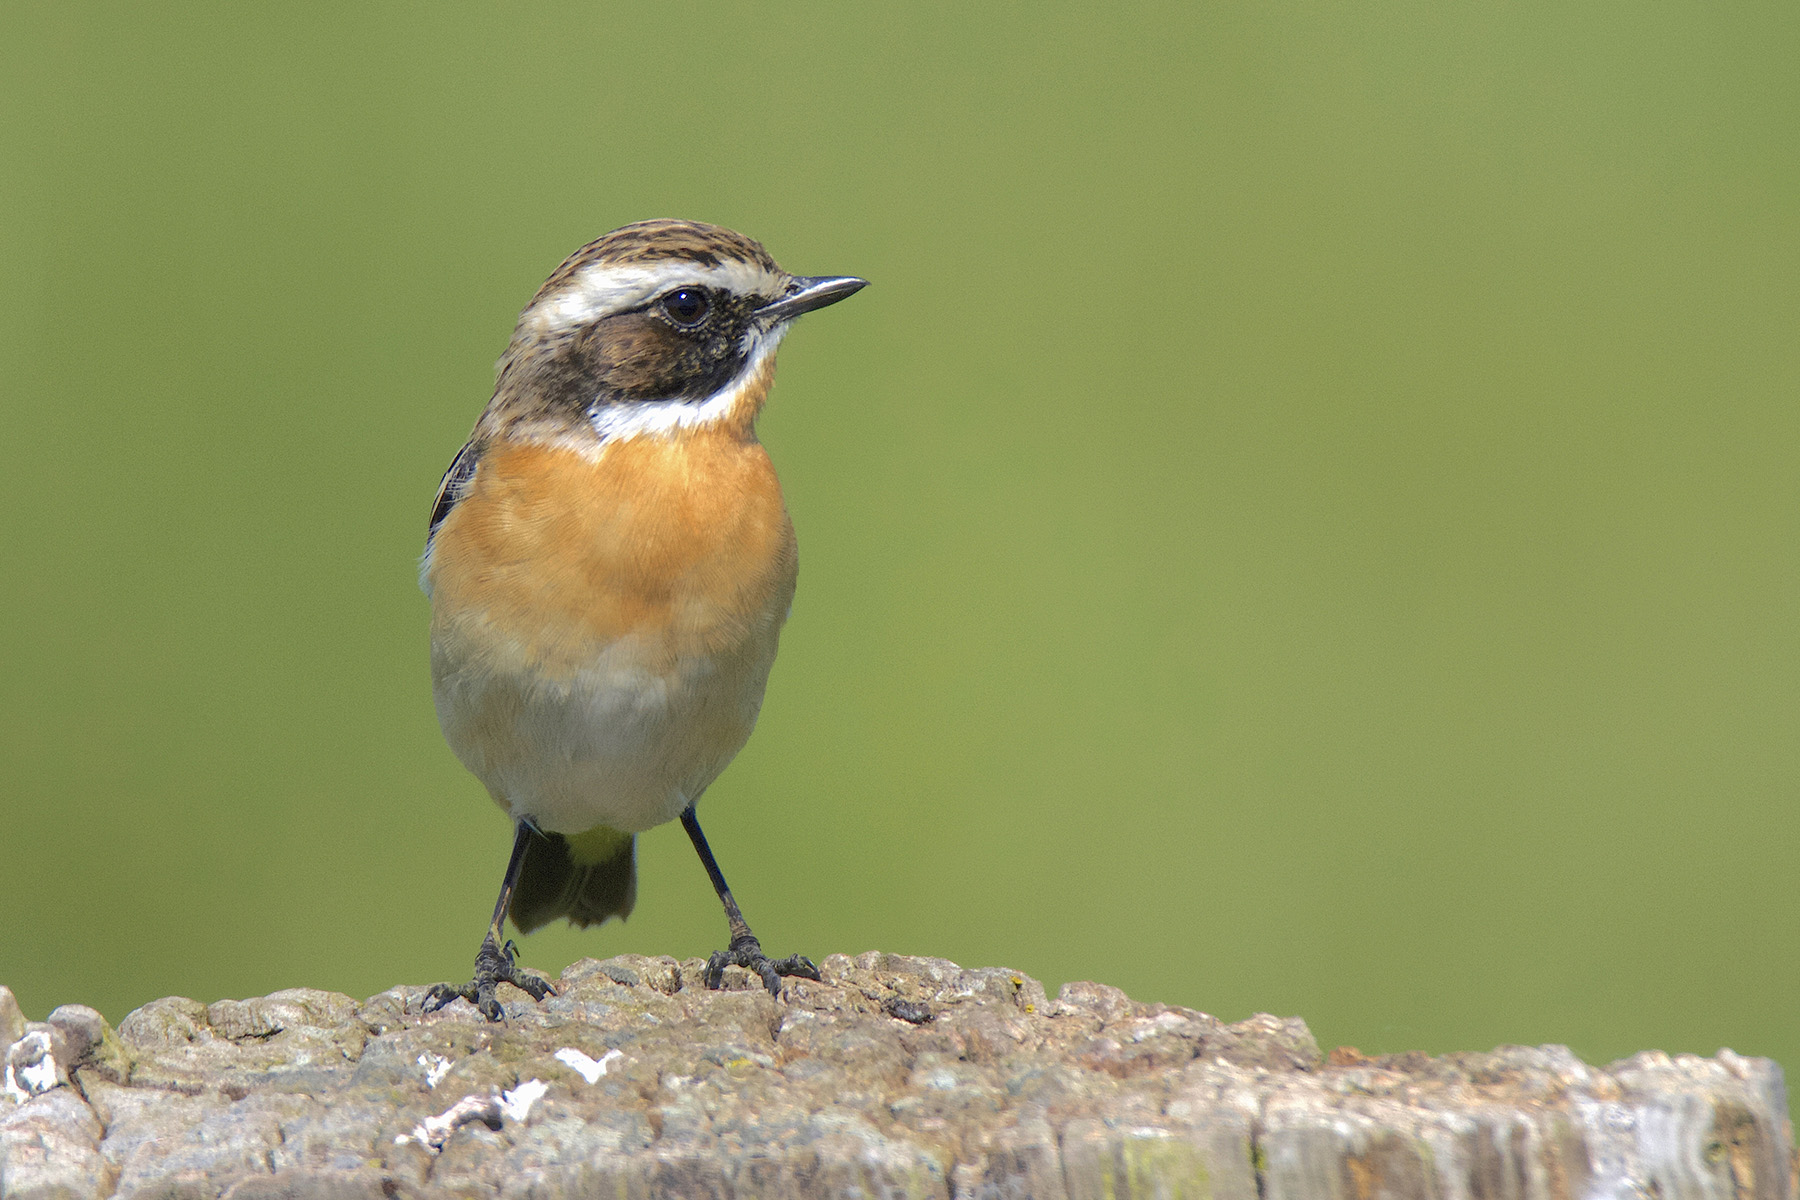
(636, 1081)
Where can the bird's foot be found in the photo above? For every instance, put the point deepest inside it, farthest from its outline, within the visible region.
(747, 952)
(493, 967)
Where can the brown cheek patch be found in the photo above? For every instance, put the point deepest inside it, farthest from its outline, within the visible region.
(632, 353)
(638, 357)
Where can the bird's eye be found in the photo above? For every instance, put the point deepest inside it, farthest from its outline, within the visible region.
(687, 306)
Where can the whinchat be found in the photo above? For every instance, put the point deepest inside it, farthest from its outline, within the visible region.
(609, 563)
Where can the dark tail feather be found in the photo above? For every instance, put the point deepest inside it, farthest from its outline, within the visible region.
(552, 884)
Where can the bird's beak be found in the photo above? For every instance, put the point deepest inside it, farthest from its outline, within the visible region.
(808, 292)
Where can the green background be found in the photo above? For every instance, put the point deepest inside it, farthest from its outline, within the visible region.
(1306, 518)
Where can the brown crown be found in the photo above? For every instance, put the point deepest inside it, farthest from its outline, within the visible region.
(655, 241)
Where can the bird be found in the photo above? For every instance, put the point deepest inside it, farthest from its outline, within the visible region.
(610, 563)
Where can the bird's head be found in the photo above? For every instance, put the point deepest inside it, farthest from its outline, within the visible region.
(655, 327)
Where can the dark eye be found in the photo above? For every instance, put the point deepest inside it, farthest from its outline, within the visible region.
(687, 306)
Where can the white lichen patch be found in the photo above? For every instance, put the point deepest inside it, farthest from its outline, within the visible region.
(589, 1069)
(30, 1067)
(516, 1104)
(1160, 1023)
(436, 1067)
(433, 1132)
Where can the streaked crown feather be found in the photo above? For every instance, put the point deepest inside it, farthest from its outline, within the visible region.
(634, 263)
(661, 240)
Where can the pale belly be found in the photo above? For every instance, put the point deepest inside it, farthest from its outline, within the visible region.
(628, 740)
(602, 630)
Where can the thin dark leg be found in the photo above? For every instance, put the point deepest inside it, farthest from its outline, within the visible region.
(494, 961)
(744, 951)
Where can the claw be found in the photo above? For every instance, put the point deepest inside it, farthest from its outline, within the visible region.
(493, 967)
(747, 953)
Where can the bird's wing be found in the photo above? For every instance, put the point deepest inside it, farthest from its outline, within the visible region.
(450, 490)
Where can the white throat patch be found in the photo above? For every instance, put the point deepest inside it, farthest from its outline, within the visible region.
(621, 422)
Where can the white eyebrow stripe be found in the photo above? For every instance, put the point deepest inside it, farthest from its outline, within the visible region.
(600, 290)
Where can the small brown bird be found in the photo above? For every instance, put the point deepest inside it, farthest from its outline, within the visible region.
(609, 563)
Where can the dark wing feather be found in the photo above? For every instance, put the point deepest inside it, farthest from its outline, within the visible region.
(450, 489)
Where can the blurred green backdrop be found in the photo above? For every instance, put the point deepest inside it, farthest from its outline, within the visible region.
(1305, 520)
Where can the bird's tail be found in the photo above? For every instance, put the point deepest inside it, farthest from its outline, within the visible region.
(586, 877)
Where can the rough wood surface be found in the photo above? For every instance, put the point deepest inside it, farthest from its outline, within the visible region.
(892, 1077)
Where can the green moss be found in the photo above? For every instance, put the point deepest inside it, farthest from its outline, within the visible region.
(1161, 1166)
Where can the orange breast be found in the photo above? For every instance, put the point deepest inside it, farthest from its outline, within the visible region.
(677, 545)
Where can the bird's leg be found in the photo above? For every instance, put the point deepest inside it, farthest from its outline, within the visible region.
(494, 961)
(745, 951)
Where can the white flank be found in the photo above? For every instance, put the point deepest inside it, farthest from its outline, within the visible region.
(589, 1069)
(621, 422)
(601, 291)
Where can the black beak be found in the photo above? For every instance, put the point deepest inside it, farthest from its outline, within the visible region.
(808, 292)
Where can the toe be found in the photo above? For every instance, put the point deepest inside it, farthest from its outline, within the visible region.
(798, 965)
(537, 988)
(440, 995)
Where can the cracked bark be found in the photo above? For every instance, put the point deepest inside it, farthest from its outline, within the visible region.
(891, 1075)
